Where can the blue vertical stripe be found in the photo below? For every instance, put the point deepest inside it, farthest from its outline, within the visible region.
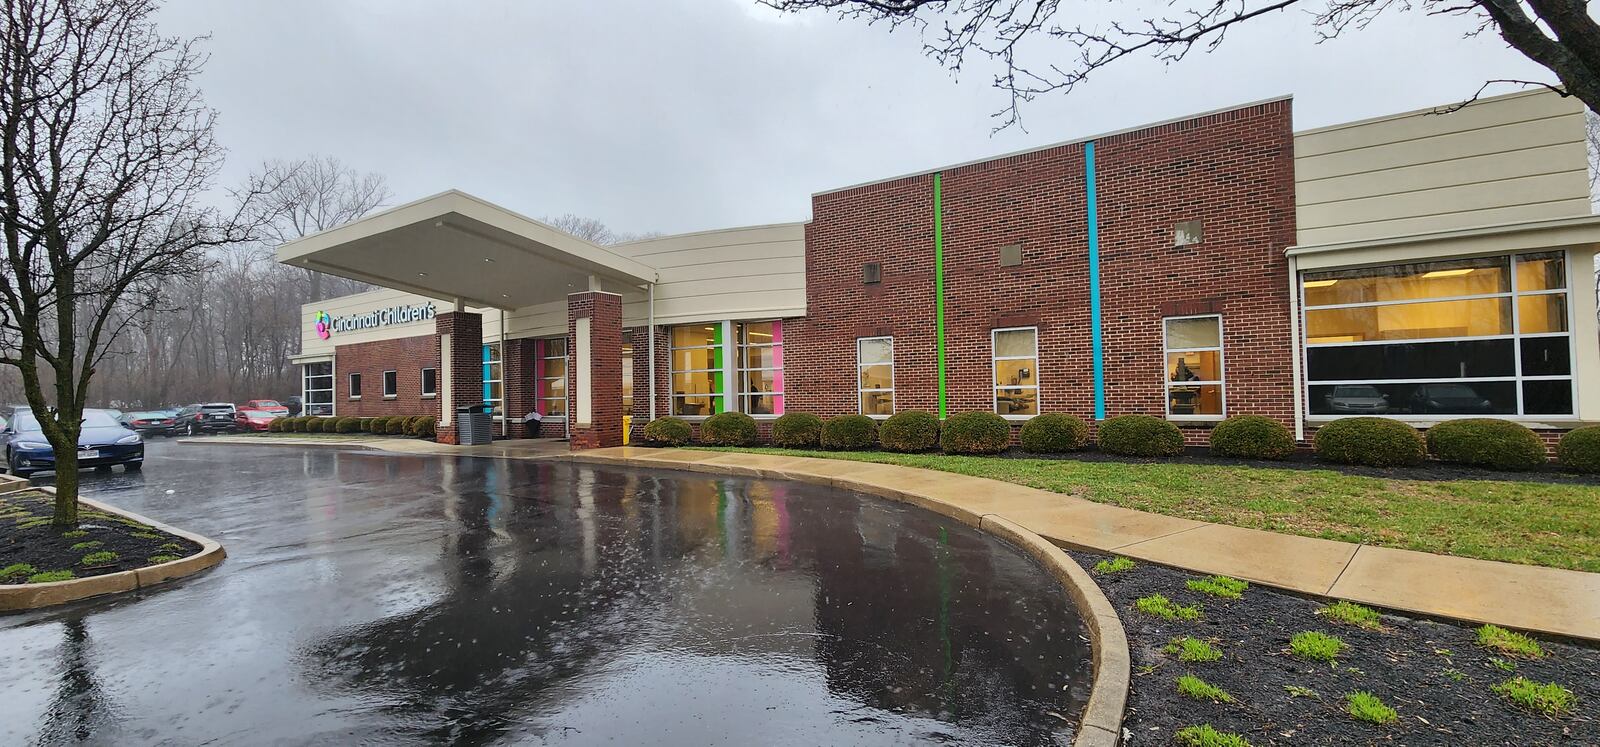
(1093, 217)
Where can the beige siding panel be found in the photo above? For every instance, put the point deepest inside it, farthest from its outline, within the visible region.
(1508, 193)
(760, 258)
(311, 344)
(723, 286)
(1441, 148)
(1520, 107)
(1568, 158)
(740, 305)
(1467, 219)
(736, 237)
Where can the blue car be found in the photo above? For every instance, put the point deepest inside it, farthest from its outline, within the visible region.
(102, 443)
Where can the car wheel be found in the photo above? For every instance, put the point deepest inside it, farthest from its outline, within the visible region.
(133, 466)
(194, 430)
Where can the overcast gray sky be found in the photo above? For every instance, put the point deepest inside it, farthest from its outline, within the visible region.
(684, 115)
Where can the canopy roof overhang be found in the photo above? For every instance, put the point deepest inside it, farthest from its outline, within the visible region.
(457, 248)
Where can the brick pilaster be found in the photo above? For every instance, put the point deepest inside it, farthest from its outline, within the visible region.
(465, 361)
(521, 388)
(603, 362)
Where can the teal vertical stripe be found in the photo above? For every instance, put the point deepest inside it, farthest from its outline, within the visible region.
(938, 285)
(1092, 211)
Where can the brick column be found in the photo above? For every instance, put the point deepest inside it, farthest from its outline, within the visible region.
(460, 367)
(520, 387)
(594, 384)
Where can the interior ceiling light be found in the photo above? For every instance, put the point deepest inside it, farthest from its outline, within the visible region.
(1447, 273)
(488, 259)
(422, 274)
(1319, 283)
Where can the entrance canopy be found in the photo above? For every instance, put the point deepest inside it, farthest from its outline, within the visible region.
(456, 247)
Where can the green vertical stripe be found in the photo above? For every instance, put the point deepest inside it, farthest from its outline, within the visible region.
(938, 285)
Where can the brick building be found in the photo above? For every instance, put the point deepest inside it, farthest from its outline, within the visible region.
(1420, 266)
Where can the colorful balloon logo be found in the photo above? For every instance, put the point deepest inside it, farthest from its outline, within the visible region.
(324, 324)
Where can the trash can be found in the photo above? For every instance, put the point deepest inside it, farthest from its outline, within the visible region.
(475, 424)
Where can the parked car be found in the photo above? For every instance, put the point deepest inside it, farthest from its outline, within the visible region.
(267, 405)
(1347, 399)
(1453, 399)
(293, 403)
(149, 423)
(253, 420)
(103, 442)
(203, 418)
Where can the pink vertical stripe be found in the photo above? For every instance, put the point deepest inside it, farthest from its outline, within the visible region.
(777, 361)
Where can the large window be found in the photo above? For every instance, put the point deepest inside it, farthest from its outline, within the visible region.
(552, 373)
(761, 367)
(1016, 371)
(494, 391)
(316, 387)
(627, 378)
(697, 374)
(875, 375)
(1193, 366)
(1478, 336)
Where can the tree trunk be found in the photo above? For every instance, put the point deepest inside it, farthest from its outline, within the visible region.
(66, 515)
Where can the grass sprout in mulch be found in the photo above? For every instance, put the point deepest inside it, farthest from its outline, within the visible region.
(1445, 689)
(1510, 643)
(1313, 645)
(1219, 586)
(1190, 686)
(1191, 649)
(1114, 565)
(1164, 608)
(1350, 613)
(34, 552)
(1206, 735)
(1364, 706)
(1546, 698)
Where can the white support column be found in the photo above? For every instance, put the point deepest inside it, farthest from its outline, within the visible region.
(730, 368)
(650, 302)
(1295, 350)
(583, 379)
(447, 403)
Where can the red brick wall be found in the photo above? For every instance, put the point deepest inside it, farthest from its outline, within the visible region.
(1232, 170)
(406, 356)
(604, 310)
(466, 377)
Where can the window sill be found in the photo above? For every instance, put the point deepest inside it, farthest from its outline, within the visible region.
(1197, 419)
(430, 396)
(355, 398)
(1019, 418)
(391, 396)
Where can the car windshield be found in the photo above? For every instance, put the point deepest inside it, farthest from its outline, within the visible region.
(267, 403)
(1451, 390)
(25, 421)
(1355, 391)
(147, 415)
(217, 408)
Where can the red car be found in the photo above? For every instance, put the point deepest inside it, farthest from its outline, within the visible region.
(267, 405)
(253, 420)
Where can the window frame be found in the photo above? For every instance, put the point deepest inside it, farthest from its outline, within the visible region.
(497, 362)
(1513, 294)
(391, 376)
(306, 400)
(1222, 369)
(352, 385)
(422, 382)
(893, 404)
(719, 398)
(541, 399)
(741, 367)
(994, 360)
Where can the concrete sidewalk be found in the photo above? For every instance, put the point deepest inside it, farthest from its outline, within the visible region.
(1549, 600)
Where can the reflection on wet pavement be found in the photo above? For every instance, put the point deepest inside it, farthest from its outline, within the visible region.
(384, 598)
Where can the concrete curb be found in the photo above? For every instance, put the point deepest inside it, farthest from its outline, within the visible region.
(1101, 725)
(15, 598)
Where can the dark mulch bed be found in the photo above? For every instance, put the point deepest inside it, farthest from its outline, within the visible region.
(1306, 459)
(1432, 673)
(46, 549)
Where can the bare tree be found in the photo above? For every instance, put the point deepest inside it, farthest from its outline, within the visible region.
(593, 231)
(315, 194)
(1559, 35)
(107, 151)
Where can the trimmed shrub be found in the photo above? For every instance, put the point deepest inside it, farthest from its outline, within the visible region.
(1486, 442)
(1579, 449)
(1140, 435)
(364, 425)
(1374, 442)
(1251, 437)
(346, 425)
(849, 433)
(424, 426)
(314, 425)
(729, 429)
(975, 433)
(275, 425)
(909, 431)
(668, 432)
(410, 425)
(797, 430)
(288, 425)
(1054, 433)
(380, 424)
(395, 426)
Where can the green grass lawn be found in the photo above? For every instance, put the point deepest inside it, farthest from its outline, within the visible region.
(1520, 522)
